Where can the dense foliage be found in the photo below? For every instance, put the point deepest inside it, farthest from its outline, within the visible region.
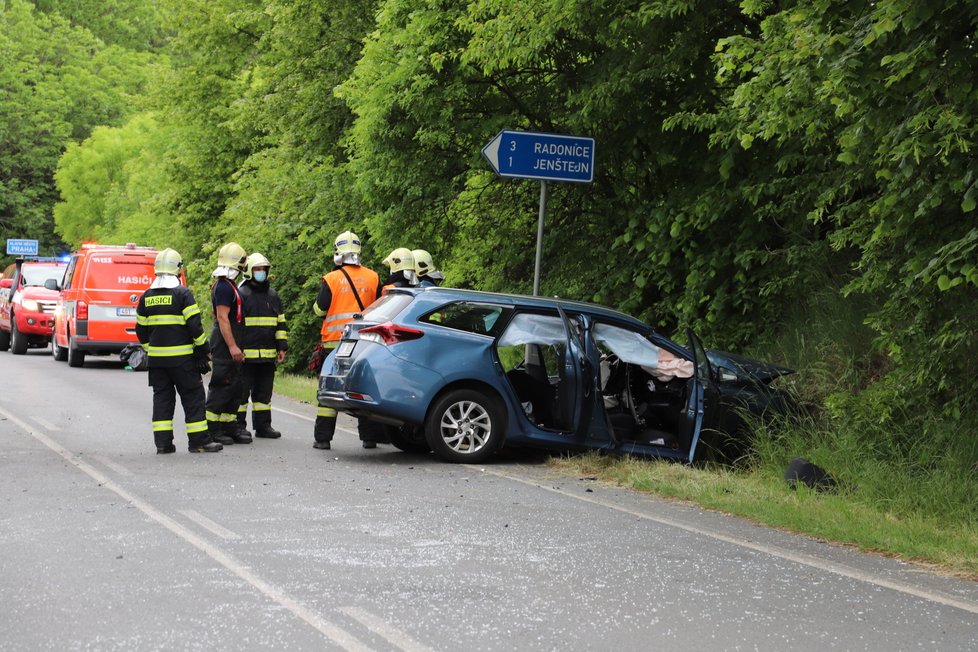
(759, 164)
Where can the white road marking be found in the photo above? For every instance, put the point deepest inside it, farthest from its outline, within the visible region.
(294, 414)
(313, 419)
(799, 558)
(209, 525)
(378, 625)
(46, 424)
(115, 466)
(334, 633)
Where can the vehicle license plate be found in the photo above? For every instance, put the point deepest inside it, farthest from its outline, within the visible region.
(125, 312)
(345, 349)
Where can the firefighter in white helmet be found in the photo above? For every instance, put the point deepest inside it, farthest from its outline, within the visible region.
(428, 276)
(343, 293)
(169, 329)
(264, 344)
(401, 264)
(224, 389)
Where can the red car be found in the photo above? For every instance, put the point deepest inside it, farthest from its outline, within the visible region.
(26, 306)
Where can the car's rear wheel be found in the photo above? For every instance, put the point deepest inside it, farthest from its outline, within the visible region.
(76, 357)
(465, 425)
(4, 340)
(60, 353)
(18, 341)
(410, 439)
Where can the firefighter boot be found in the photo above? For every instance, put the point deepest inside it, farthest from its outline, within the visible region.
(209, 447)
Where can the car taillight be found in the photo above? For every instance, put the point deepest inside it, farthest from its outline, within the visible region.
(81, 310)
(389, 333)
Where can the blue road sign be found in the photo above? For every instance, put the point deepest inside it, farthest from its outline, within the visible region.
(21, 247)
(548, 157)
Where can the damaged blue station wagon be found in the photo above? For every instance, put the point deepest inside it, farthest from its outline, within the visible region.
(462, 373)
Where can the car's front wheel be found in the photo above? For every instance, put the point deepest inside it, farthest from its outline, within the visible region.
(18, 341)
(465, 425)
(60, 353)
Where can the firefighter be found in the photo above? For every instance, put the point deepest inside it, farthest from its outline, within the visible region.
(224, 389)
(343, 293)
(401, 263)
(428, 276)
(168, 327)
(264, 344)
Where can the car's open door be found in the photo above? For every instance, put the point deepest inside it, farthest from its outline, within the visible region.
(573, 390)
(701, 398)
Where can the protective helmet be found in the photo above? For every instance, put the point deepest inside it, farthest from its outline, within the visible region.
(422, 262)
(346, 249)
(400, 260)
(346, 243)
(232, 255)
(168, 261)
(255, 260)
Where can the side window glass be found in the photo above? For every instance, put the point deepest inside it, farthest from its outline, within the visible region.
(70, 272)
(478, 318)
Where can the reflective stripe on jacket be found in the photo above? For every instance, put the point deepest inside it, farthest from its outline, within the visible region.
(343, 305)
(265, 332)
(168, 325)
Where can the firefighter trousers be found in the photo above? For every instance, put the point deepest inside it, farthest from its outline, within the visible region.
(223, 392)
(167, 382)
(257, 380)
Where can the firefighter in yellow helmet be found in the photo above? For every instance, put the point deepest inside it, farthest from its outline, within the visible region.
(343, 293)
(224, 389)
(264, 345)
(428, 276)
(169, 329)
(401, 264)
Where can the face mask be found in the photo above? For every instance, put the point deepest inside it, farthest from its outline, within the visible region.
(261, 276)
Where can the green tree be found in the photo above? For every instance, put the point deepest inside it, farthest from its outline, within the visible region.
(57, 82)
(668, 230)
(867, 110)
(114, 187)
(131, 24)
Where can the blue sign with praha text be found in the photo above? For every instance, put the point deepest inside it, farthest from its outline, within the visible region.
(548, 157)
(21, 247)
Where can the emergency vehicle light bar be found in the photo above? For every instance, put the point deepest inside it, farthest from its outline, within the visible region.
(128, 245)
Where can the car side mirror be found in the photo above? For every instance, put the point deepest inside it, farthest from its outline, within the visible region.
(52, 284)
(6, 282)
(726, 376)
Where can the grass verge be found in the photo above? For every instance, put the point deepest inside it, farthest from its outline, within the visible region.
(764, 497)
(300, 387)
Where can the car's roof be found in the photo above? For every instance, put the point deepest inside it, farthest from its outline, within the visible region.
(523, 300)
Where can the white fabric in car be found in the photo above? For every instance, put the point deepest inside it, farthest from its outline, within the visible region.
(527, 328)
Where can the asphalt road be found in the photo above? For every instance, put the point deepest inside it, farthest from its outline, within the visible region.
(105, 545)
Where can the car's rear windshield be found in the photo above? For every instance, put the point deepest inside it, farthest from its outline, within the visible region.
(130, 272)
(387, 307)
(37, 274)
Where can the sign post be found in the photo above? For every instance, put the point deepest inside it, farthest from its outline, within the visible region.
(21, 247)
(546, 157)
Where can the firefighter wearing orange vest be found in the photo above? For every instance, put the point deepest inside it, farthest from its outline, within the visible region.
(343, 293)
